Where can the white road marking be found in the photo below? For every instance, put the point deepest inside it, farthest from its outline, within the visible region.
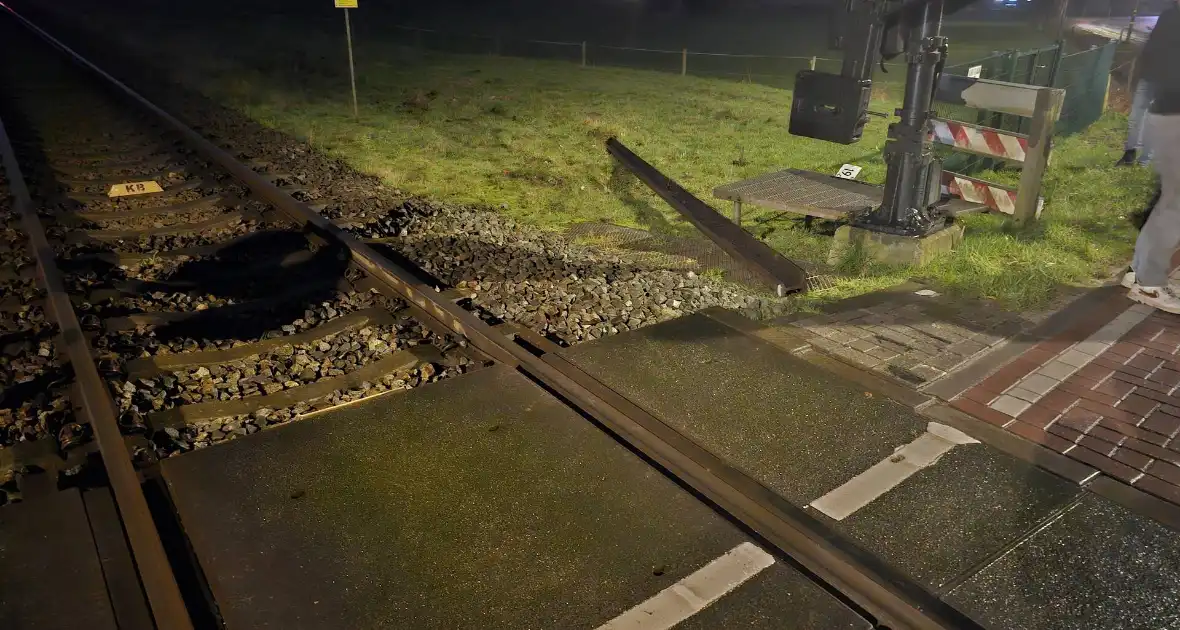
(885, 475)
(695, 592)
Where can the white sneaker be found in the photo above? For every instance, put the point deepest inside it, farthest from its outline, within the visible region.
(1161, 298)
(1129, 282)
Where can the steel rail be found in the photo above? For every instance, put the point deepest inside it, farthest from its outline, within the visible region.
(895, 601)
(94, 400)
(729, 236)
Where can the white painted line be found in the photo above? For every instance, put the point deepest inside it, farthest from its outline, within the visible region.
(1057, 370)
(1010, 405)
(1026, 395)
(1093, 348)
(887, 474)
(695, 592)
(1075, 358)
(1035, 385)
(1038, 384)
(1111, 333)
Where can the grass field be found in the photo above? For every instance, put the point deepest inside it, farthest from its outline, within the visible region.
(525, 137)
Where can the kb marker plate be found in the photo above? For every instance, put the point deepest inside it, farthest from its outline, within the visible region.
(133, 188)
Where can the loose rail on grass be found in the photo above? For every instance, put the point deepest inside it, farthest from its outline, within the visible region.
(780, 271)
(890, 598)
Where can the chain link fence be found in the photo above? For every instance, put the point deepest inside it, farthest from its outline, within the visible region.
(771, 70)
(1085, 76)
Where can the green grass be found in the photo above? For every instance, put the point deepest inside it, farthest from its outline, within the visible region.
(525, 137)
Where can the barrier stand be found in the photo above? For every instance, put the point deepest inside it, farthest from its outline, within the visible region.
(1042, 105)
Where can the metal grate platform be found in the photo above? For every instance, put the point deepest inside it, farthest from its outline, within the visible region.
(816, 195)
(803, 192)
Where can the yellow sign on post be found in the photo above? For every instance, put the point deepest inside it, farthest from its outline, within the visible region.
(346, 4)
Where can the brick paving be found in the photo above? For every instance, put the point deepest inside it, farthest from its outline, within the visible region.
(913, 338)
(1105, 393)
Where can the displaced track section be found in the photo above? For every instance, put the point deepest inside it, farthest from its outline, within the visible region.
(237, 204)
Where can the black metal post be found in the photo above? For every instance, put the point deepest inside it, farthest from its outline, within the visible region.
(913, 179)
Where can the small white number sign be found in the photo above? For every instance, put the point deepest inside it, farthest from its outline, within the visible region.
(975, 71)
(848, 171)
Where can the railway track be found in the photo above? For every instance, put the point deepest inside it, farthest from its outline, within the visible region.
(150, 324)
(185, 294)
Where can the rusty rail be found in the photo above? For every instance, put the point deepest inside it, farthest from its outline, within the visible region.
(894, 600)
(98, 409)
(782, 273)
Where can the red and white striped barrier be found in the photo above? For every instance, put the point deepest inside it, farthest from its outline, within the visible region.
(981, 140)
(994, 196)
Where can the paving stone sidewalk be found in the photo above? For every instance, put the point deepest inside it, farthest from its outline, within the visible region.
(914, 335)
(1105, 393)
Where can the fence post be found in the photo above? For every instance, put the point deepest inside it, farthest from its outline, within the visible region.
(1055, 64)
(684, 62)
(988, 71)
(811, 64)
(1029, 79)
(1033, 67)
(1005, 67)
(583, 54)
(1004, 122)
(1106, 96)
(1036, 160)
(1131, 26)
(1099, 56)
(1013, 59)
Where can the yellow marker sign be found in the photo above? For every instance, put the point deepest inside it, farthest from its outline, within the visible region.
(133, 188)
(346, 4)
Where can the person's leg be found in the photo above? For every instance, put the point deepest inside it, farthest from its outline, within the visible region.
(1160, 237)
(1145, 150)
(1145, 137)
(1136, 127)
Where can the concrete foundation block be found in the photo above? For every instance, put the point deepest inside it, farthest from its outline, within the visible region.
(893, 249)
